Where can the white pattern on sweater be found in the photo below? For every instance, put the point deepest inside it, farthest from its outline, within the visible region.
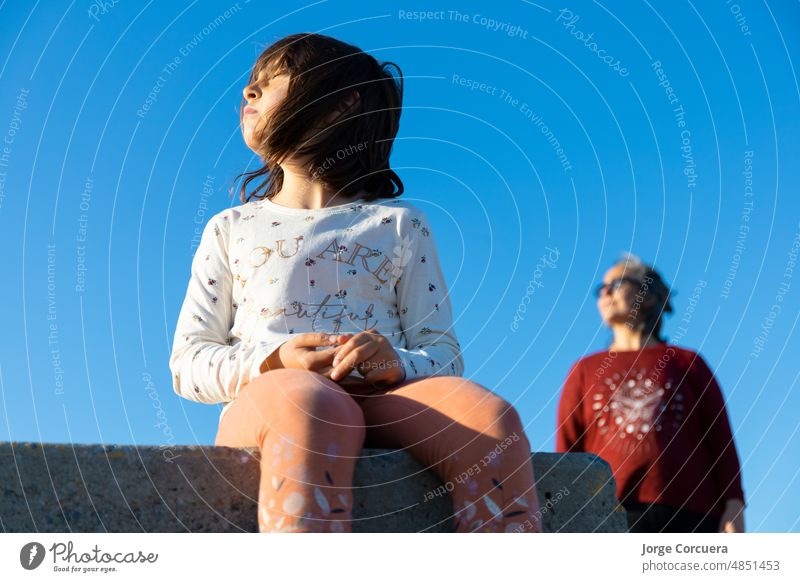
(263, 272)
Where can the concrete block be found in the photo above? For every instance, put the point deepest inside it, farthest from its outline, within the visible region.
(108, 488)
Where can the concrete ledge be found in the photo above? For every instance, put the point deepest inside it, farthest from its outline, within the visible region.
(107, 488)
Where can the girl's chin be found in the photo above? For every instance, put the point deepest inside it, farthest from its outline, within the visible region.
(250, 142)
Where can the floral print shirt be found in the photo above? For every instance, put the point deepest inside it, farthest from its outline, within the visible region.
(263, 272)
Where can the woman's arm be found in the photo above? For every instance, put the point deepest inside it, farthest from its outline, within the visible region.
(732, 520)
(423, 304)
(569, 424)
(718, 437)
(205, 368)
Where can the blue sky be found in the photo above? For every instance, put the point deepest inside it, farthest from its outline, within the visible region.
(666, 133)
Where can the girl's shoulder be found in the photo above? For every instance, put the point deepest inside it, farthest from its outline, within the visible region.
(395, 205)
(406, 216)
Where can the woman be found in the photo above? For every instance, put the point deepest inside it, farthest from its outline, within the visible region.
(320, 314)
(655, 412)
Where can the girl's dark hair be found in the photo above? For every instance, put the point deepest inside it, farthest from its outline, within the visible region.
(352, 153)
(653, 289)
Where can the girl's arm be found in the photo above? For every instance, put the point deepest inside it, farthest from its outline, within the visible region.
(205, 368)
(423, 304)
(570, 426)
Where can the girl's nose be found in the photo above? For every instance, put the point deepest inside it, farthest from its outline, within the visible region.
(250, 92)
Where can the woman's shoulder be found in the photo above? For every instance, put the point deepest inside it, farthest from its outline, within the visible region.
(595, 356)
(683, 354)
(687, 359)
(694, 359)
(606, 356)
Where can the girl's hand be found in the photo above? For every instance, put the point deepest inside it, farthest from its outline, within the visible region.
(301, 352)
(732, 520)
(372, 355)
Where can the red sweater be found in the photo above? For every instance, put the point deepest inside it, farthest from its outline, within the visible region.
(658, 417)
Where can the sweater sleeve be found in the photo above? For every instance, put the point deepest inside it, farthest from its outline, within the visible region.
(423, 305)
(570, 425)
(718, 437)
(205, 366)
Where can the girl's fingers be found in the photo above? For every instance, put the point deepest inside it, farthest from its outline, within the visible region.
(352, 343)
(358, 354)
(322, 357)
(311, 340)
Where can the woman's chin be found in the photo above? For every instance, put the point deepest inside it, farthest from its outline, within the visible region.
(610, 319)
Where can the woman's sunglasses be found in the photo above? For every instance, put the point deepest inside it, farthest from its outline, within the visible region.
(613, 285)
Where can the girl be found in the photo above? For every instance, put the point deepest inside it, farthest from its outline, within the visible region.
(320, 314)
(655, 412)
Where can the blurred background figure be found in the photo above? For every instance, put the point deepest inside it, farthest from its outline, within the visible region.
(655, 412)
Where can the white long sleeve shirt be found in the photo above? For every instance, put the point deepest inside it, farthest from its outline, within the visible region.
(263, 272)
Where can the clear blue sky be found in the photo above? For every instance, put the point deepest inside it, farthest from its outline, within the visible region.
(99, 196)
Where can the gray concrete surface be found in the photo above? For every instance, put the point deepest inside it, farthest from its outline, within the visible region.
(107, 488)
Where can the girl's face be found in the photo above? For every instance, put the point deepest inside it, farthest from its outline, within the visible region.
(266, 93)
(262, 96)
(616, 301)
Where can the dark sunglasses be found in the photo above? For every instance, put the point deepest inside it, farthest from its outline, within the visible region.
(613, 285)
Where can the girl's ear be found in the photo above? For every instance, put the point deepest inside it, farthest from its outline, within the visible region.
(345, 106)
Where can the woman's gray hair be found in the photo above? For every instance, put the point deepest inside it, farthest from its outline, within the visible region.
(650, 319)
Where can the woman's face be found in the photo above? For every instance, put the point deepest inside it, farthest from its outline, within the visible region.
(615, 305)
(262, 96)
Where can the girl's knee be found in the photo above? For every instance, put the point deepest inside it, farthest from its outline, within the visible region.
(498, 416)
(309, 393)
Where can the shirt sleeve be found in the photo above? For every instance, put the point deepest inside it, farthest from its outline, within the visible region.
(205, 366)
(718, 437)
(423, 304)
(570, 429)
